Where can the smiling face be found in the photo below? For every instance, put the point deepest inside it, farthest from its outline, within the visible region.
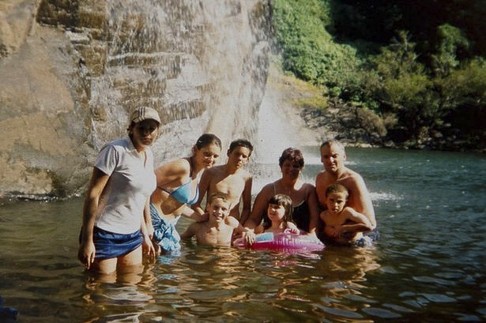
(276, 212)
(333, 157)
(218, 209)
(143, 133)
(207, 155)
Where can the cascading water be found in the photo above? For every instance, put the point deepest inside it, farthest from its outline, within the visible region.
(201, 64)
(186, 59)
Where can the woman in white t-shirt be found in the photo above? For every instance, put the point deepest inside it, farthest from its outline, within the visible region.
(114, 234)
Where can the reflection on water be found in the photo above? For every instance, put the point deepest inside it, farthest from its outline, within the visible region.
(427, 266)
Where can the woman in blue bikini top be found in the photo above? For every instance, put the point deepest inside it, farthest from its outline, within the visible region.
(177, 180)
(177, 189)
(183, 193)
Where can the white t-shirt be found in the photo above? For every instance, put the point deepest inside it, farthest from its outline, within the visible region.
(132, 181)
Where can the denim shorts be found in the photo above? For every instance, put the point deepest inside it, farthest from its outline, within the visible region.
(112, 245)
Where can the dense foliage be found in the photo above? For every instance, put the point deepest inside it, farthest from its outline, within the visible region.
(417, 64)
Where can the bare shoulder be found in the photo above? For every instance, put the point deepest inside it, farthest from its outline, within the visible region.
(351, 179)
(247, 175)
(213, 173)
(267, 190)
(232, 222)
(195, 226)
(348, 212)
(213, 170)
(175, 166)
(321, 175)
(351, 214)
(323, 179)
(324, 216)
(354, 175)
(308, 188)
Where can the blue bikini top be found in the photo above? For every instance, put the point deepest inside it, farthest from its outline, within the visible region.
(182, 194)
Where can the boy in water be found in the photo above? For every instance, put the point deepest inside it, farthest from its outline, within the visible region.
(218, 229)
(344, 225)
(230, 179)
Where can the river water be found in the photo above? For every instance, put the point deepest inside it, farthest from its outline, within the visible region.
(427, 266)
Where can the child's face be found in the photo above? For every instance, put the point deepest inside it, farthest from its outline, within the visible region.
(276, 212)
(219, 209)
(335, 202)
(239, 156)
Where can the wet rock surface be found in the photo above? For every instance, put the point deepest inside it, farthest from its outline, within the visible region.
(71, 72)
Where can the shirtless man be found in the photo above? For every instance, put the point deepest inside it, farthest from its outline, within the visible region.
(333, 156)
(230, 179)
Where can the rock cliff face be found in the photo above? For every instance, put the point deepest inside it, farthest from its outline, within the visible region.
(71, 71)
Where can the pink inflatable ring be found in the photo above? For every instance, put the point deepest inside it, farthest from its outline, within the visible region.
(282, 241)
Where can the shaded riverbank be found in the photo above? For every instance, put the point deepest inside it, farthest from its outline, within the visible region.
(305, 106)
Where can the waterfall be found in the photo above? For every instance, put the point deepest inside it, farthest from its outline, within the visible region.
(202, 64)
(197, 62)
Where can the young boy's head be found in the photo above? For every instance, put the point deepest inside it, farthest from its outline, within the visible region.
(284, 201)
(218, 206)
(239, 152)
(336, 197)
(241, 143)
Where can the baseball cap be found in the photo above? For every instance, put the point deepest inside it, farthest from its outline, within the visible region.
(144, 113)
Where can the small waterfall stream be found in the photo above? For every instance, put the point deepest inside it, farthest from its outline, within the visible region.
(202, 64)
(199, 64)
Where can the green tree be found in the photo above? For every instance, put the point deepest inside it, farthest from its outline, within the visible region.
(403, 87)
(450, 40)
(307, 49)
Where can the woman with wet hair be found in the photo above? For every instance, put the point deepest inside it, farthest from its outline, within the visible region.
(177, 190)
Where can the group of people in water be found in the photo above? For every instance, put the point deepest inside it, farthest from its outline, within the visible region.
(131, 208)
